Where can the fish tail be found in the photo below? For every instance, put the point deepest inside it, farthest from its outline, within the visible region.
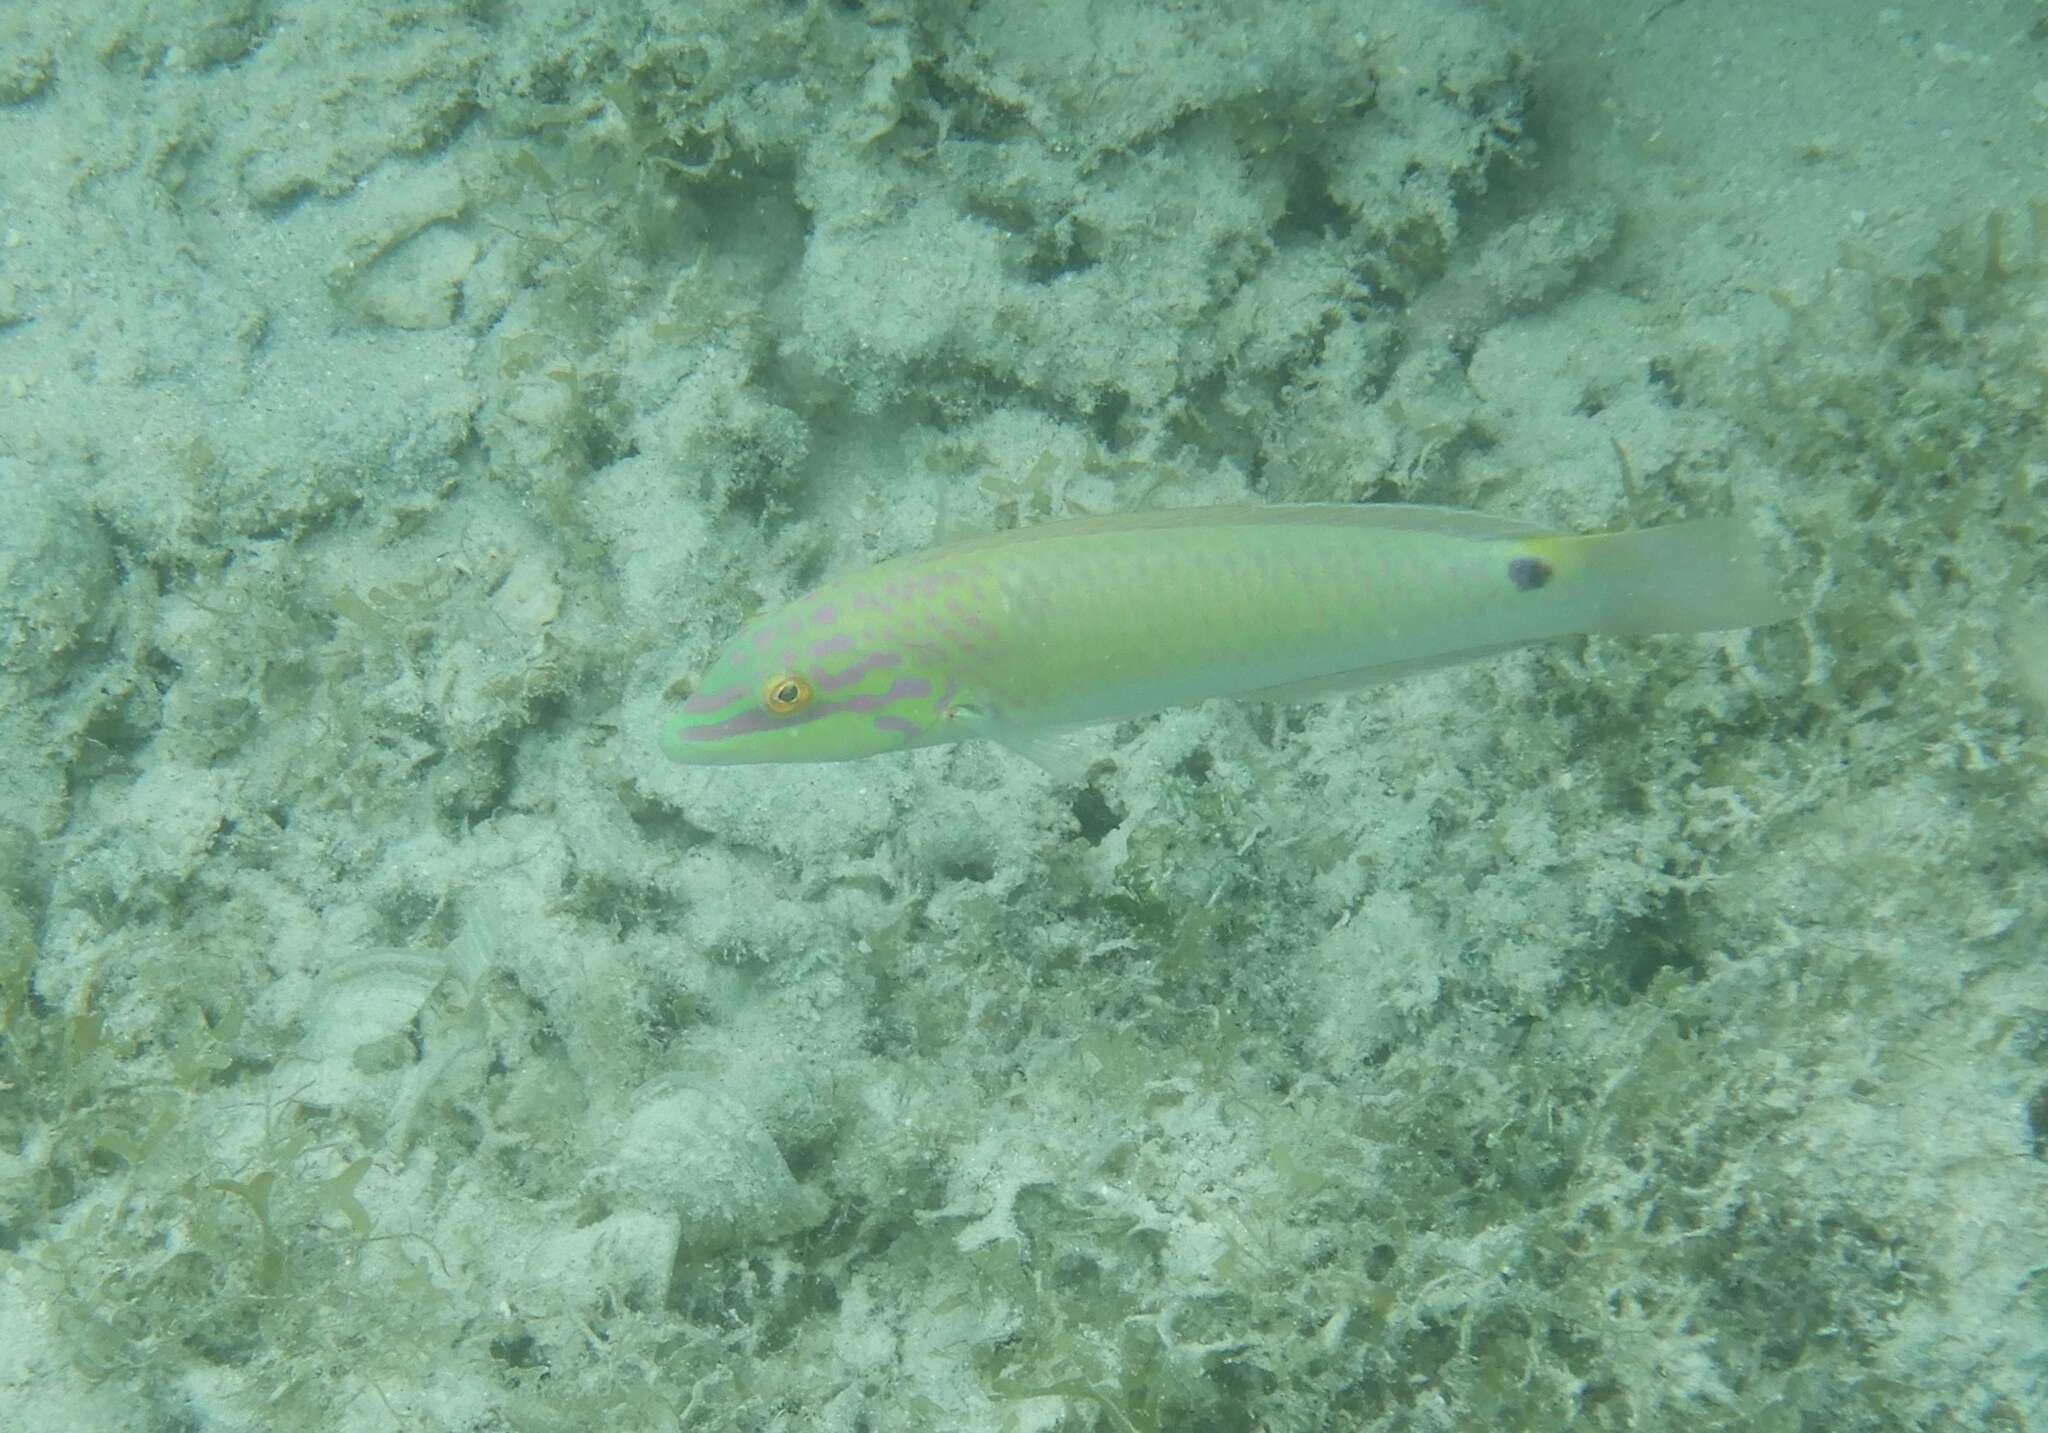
(1707, 575)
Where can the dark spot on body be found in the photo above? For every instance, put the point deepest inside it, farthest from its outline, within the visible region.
(1529, 573)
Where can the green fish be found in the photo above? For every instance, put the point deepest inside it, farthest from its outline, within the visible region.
(1024, 636)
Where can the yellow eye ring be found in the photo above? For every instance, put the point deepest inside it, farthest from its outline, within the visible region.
(787, 694)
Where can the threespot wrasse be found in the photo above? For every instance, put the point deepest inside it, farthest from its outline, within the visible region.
(1025, 635)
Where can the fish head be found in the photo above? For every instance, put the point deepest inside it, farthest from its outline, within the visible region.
(806, 684)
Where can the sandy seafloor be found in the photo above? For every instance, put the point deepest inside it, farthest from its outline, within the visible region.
(398, 401)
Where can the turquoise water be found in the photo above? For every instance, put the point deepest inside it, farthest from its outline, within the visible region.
(397, 403)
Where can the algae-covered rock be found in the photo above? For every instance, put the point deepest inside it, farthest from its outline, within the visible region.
(703, 1156)
(57, 578)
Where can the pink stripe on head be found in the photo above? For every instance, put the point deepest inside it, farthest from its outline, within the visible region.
(737, 725)
(699, 702)
(833, 681)
(755, 719)
(903, 687)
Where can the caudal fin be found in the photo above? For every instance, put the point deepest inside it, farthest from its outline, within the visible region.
(1702, 576)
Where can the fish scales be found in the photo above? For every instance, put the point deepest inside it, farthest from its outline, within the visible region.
(1114, 624)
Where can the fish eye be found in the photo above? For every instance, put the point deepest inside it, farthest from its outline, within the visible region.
(787, 694)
